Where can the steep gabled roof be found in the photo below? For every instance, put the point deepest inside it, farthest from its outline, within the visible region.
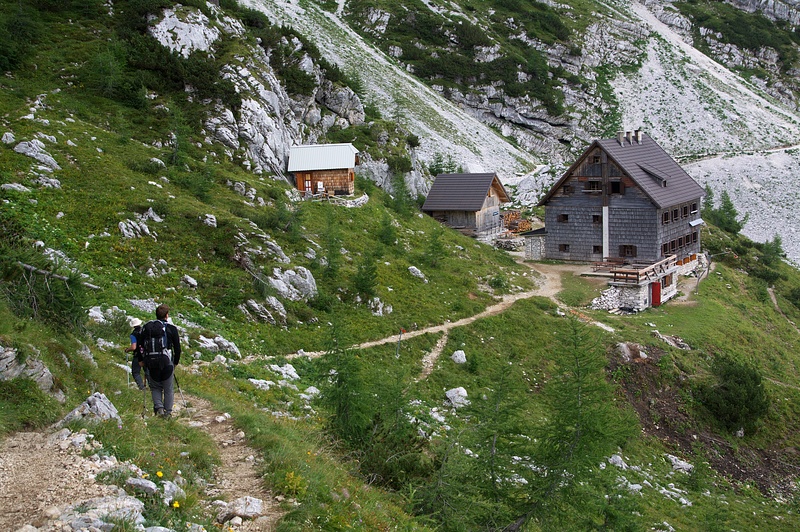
(462, 192)
(659, 176)
(322, 157)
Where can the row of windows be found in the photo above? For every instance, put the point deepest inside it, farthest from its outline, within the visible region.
(624, 250)
(595, 185)
(678, 212)
(672, 246)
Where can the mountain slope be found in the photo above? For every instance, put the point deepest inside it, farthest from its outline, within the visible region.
(693, 106)
(468, 423)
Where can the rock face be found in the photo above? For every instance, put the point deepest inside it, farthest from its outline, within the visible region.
(12, 367)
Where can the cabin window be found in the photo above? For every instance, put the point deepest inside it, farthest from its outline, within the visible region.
(597, 250)
(680, 241)
(672, 245)
(594, 186)
(688, 239)
(694, 208)
(665, 248)
(617, 188)
(685, 211)
(665, 218)
(563, 218)
(694, 237)
(627, 250)
(674, 214)
(563, 248)
(597, 218)
(566, 190)
(666, 281)
(595, 159)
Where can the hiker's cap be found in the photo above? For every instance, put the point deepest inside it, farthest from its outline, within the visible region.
(134, 322)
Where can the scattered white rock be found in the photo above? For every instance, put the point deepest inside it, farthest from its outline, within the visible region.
(459, 357)
(457, 397)
(679, 465)
(413, 270)
(286, 371)
(35, 149)
(15, 186)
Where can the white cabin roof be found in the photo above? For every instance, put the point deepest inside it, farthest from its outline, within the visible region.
(322, 157)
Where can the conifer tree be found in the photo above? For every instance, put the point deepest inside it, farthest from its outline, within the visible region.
(726, 215)
(366, 278)
(582, 427)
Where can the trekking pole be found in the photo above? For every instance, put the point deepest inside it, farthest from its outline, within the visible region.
(128, 373)
(174, 376)
(144, 395)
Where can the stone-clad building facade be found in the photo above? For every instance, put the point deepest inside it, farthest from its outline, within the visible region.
(627, 204)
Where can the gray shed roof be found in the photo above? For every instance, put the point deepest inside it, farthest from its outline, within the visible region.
(461, 192)
(322, 157)
(659, 176)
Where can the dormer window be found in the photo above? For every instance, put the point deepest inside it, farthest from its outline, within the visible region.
(617, 188)
(594, 186)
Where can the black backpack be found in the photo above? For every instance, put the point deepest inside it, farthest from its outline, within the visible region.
(154, 349)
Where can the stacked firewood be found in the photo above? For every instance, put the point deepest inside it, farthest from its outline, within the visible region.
(513, 221)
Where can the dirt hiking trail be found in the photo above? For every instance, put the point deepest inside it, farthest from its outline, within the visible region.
(39, 477)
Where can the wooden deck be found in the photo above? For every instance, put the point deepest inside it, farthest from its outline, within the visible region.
(633, 273)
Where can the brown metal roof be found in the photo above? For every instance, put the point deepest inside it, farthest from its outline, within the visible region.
(659, 176)
(462, 192)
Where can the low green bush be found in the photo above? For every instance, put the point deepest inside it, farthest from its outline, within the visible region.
(738, 399)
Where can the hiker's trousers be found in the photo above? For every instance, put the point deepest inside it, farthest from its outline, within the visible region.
(163, 394)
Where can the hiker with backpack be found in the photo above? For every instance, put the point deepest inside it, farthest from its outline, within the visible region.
(135, 347)
(160, 353)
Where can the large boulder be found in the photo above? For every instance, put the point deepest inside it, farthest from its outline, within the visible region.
(97, 407)
(295, 285)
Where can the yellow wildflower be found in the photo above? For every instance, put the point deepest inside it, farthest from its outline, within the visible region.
(159, 474)
(176, 504)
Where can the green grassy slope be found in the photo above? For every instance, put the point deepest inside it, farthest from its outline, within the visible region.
(378, 433)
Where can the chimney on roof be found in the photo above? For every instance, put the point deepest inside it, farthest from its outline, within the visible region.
(638, 134)
(621, 137)
(629, 136)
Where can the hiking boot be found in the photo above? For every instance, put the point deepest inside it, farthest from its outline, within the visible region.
(161, 412)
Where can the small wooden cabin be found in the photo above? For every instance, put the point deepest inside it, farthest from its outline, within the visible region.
(324, 168)
(467, 202)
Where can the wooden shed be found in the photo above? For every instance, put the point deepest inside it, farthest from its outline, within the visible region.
(467, 202)
(324, 168)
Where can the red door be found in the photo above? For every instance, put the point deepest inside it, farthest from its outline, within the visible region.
(656, 293)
